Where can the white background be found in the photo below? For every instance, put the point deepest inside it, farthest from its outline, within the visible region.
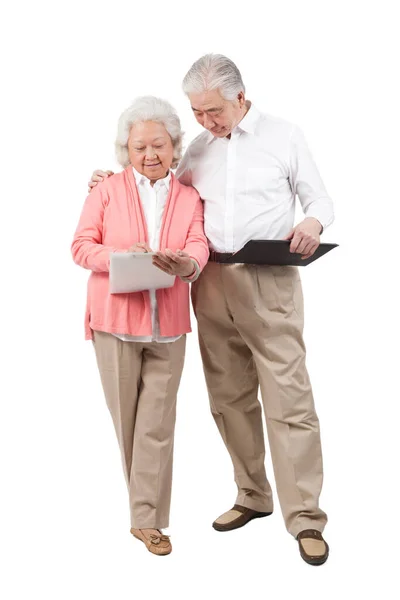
(68, 71)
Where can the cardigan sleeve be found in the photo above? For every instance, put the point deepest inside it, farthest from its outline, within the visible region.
(196, 242)
(87, 248)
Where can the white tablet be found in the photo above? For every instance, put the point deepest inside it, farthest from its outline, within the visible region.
(135, 272)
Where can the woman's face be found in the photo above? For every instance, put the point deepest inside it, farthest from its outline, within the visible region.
(150, 149)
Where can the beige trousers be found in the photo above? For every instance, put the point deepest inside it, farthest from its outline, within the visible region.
(250, 323)
(140, 382)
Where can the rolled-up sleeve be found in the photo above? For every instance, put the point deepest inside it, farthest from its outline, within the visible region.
(306, 181)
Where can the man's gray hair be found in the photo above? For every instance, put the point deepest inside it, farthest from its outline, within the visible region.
(148, 108)
(214, 71)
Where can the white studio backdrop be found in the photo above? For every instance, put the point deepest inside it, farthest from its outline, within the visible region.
(69, 70)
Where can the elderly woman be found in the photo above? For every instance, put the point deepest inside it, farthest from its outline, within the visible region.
(139, 338)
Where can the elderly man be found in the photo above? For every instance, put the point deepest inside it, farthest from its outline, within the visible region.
(248, 168)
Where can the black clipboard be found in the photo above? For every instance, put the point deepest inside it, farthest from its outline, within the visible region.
(275, 252)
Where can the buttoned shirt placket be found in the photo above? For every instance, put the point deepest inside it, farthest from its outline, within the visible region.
(153, 195)
(229, 240)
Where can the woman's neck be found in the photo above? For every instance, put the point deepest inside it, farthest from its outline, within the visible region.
(152, 181)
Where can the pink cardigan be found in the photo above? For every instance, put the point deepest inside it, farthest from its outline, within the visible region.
(112, 220)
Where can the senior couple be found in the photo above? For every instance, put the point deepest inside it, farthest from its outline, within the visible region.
(239, 178)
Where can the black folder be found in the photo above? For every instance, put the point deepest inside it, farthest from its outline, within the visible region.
(275, 252)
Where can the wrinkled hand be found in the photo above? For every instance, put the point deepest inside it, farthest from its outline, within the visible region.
(140, 247)
(305, 237)
(98, 176)
(174, 263)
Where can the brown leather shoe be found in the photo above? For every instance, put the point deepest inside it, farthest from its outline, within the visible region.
(313, 548)
(237, 517)
(156, 544)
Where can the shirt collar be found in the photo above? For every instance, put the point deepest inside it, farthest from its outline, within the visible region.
(139, 178)
(210, 137)
(249, 121)
(247, 124)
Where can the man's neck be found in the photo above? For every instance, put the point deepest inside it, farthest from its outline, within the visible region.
(246, 110)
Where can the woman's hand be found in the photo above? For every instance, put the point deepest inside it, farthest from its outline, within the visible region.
(97, 177)
(174, 263)
(140, 247)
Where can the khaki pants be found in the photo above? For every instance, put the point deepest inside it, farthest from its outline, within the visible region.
(140, 382)
(250, 323)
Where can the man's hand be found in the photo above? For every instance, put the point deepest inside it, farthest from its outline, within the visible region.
(305, 237)
(140, 247)
(174, 263)
(98, 176)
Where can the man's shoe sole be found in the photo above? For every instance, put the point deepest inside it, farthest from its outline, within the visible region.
(316, 562)
(228, 527)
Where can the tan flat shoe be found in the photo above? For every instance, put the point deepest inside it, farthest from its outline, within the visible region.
(156, 544)
(313, 548)
(237, 517)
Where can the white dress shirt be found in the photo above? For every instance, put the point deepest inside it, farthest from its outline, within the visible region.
(153, 200)
(249, 182)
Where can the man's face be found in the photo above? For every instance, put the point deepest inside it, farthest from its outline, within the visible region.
(215, 113)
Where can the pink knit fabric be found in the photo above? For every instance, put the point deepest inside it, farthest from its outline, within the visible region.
(112, 220)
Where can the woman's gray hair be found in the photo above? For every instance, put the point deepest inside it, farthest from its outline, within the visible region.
(214, 71)
(148, 108)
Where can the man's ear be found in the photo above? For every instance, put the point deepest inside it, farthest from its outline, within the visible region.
(241, 98)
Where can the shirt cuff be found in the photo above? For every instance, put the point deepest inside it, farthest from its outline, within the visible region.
(194, 275)
(323, 214)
